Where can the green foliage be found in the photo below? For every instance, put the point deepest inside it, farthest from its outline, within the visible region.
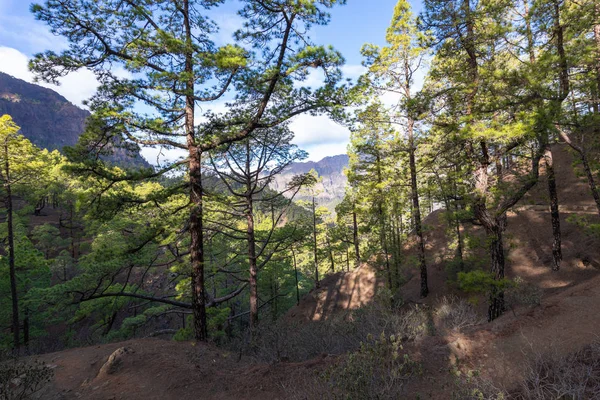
(482, 282)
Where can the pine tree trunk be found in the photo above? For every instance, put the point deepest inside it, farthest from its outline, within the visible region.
(355, 239)
(316, 260)
(12, 269)
(252, 263)
(196, 195)
(11, 252)
(597, 61)
(496, 307)
(347, 259)
(417, 214)
(330, 251)
(296, 276)
(385, 246)
(459, 247)
(554, 211)
(26, 331)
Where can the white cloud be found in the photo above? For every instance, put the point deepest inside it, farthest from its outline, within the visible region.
(320, 136)
(317, 153)
(160, 156)
(228, 23)
(316, 78)
(75, 87)
(353, 71)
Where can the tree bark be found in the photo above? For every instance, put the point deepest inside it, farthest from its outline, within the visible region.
(316, 260)
(417, 211)
(355, 239)
(296, 276)
(459, 247)
(11, 252)
(382, 222)
(330, 251)
(26, 331)
(497, 306)
(554, 212)
(252, 263)
(597, 66)
(196, 195)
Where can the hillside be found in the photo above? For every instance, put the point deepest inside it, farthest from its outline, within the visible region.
(564, 321)
(46, 118)
(330, 191)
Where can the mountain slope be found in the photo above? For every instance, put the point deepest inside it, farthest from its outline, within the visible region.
(47, 119)
(330, 191)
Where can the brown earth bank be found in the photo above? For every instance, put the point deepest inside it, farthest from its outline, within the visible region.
(565, 321)
(147, 369)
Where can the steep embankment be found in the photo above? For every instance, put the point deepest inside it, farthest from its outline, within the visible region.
(565, 321)
(153, 369)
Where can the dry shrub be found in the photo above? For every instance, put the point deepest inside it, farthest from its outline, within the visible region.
(574, 377)
(469, 385)
(523, 293)
(379, 369)
(340, 334)
(455, 314)
(23, 379)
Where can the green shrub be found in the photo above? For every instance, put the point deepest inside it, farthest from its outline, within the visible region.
(481, 282)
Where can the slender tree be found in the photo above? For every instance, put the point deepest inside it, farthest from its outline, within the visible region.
(21, 165)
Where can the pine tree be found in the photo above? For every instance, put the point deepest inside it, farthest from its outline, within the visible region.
(22, 165)
(172, 68)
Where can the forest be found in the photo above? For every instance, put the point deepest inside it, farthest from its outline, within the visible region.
(460, 127)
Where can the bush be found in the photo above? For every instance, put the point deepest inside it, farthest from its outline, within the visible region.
(378, 370)
(455, 314)
(573, 377)
(523, 293)
(341, 334)
(22, 380)
(470, 386)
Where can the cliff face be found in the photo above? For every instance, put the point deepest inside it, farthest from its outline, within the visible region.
(47, 119)
(331, 169)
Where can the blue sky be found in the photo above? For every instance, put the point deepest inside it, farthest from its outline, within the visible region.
(352, 25)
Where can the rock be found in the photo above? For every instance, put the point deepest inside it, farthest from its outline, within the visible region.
(115, 361)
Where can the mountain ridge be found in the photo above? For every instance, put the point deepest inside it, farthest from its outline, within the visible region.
(48, 119)
(331, 188)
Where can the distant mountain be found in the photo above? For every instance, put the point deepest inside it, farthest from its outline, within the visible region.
(47, 118)
(330, 169)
